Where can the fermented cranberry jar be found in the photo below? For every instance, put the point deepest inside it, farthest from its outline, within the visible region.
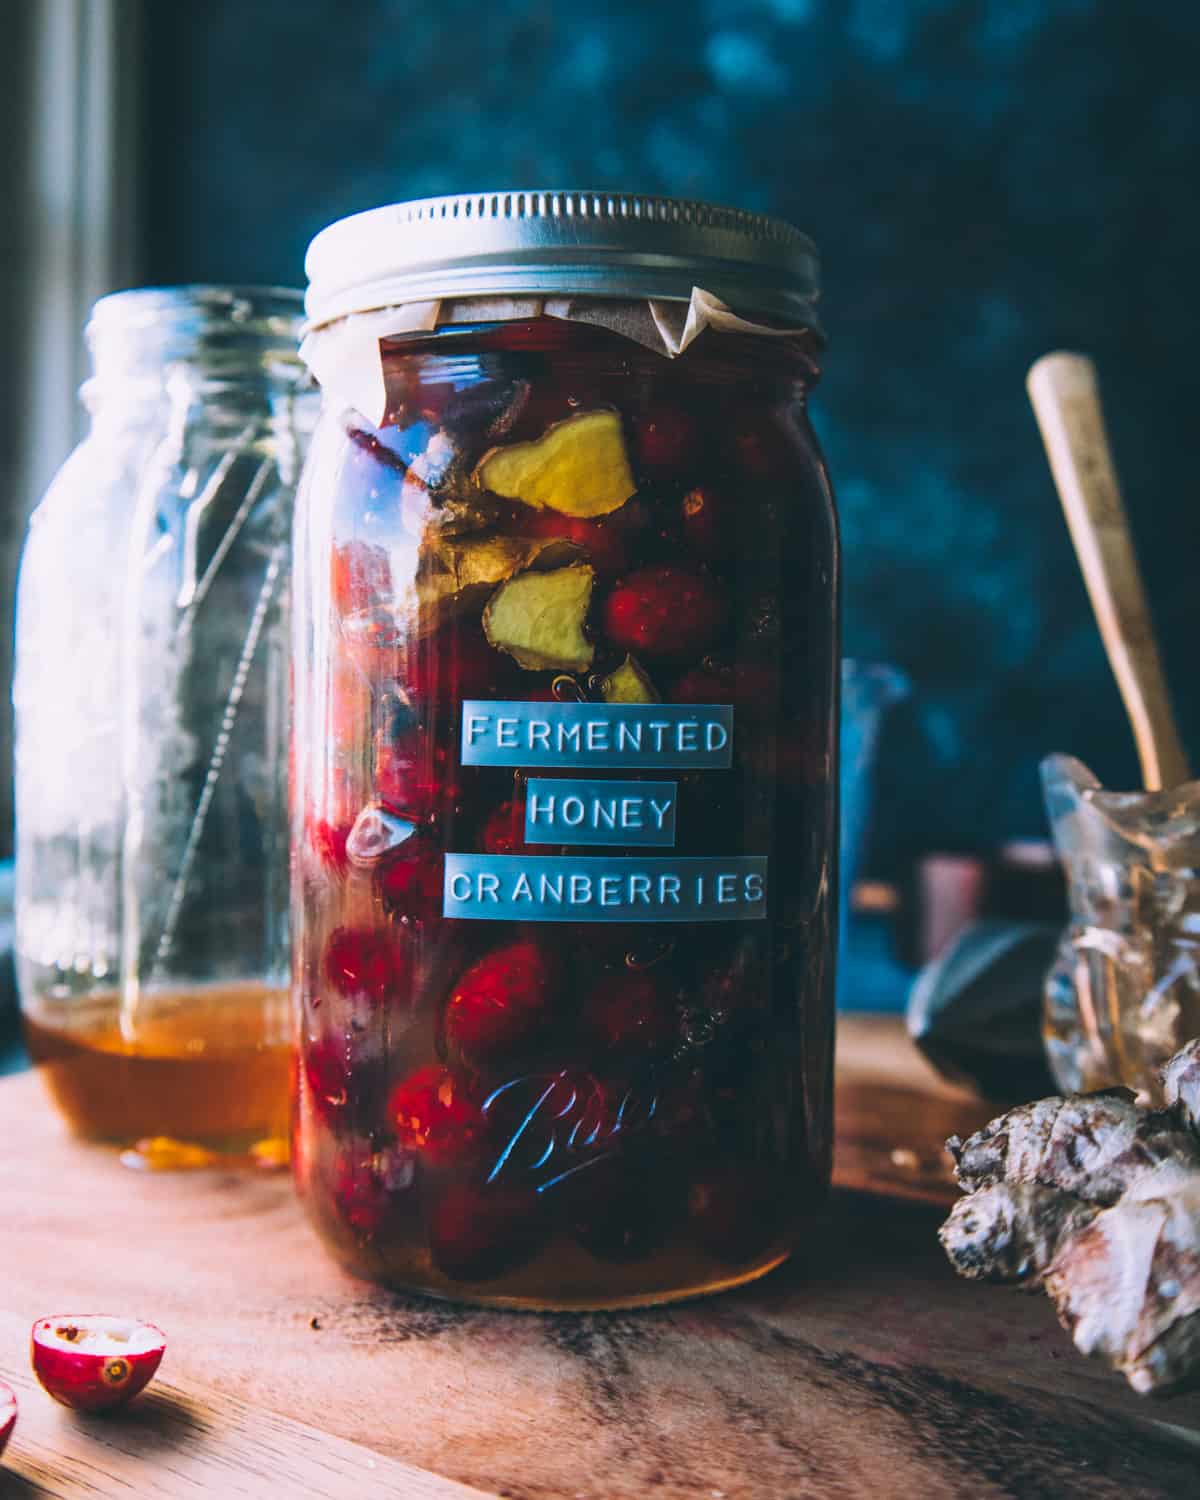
(564, 751)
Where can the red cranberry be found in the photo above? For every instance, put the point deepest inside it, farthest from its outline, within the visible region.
(327, 1074)
(479, 1233)
(678, 1119)
(614, 941)
(370, 1188)
(751, 687)
(499, 1001)
(794, 758)
(666, 440)
(456, 662)
(761, 448)
(706, 516)
(629, 1011)
(416, 778)
(411, 885)
(665, 613)
(363, 961)
(603, 541)
(360, 578)
(620, 1209)
(546, 1121)
(331, 816)
(328, 842)
(374, 641)
(504, 831)
(735, 1211)
(800, 758)
(737, 981)
(434, 1113)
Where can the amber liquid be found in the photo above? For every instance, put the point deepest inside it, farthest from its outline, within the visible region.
(208, 1067)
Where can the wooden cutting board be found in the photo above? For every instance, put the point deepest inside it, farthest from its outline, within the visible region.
(863, 1368)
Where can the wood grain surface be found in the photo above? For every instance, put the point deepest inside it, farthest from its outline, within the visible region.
(862, 1368)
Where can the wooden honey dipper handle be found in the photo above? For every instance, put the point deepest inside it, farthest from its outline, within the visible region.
(1066, 400)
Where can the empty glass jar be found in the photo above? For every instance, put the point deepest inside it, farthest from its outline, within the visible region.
(564, 824)
(151, 706)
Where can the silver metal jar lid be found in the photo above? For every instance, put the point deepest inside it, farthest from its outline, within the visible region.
(545, 243)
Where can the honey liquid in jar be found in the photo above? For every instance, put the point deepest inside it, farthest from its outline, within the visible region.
(209, 1068)
(151, 706)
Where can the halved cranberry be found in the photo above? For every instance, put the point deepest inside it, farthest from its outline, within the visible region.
(504, 830)
(435, 1113)
(410, 886)
(362, 961)
(360, 577)
(666, 440)
(666, 613)
(94, 1362)
(372, 1188)
(707, 520)
(736, 1210)
(379, 834)
(628, 1011)
(499, 1002)
(479, 1233)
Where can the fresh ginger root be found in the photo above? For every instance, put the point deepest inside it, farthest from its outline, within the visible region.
(1181, 1085)
(1127, 1286)
(1093, 1145)
(1011, 1231)
(1098, 1202)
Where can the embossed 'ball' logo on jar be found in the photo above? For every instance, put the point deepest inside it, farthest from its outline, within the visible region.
(554, 1124)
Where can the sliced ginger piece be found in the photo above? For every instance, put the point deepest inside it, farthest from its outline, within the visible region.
(538, 619)
(485, 559)
(578, 467)
(628, 684)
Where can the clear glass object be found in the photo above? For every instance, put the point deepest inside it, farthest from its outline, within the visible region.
(151, 705)
(554, 1109)
(1124, 992)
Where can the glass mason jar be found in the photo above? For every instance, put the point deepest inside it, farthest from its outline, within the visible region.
(564, 811)
(151, 708)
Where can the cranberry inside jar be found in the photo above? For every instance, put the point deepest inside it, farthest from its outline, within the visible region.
(564, 815)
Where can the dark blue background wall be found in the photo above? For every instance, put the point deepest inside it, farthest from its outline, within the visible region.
(987, 179)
